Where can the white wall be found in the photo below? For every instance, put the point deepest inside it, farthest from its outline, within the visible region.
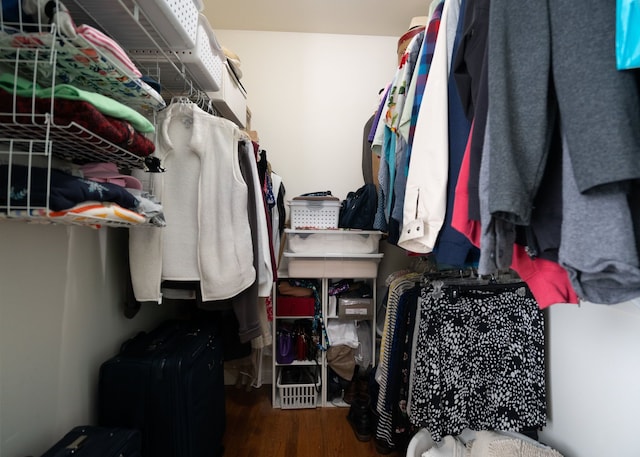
(593, 372)
(310, 96)
(61, 302)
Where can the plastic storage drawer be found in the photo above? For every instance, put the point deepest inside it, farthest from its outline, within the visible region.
(339, 241)
(325, 266)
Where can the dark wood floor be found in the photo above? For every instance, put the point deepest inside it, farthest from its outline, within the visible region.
(255, 429)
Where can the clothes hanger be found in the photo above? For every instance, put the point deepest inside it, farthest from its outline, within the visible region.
(502, 278)
(180, 100)
(186, 97)
(453, 274)
(204, 102)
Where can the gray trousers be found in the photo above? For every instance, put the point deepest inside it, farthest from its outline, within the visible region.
(599, 249)
(551, 58)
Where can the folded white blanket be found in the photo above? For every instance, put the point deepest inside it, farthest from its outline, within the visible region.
(494, 444)
(479, 444)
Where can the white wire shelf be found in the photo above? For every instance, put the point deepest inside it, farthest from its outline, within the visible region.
(40, 215)
(70, 142)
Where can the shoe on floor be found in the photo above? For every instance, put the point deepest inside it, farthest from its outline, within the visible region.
(359, 417)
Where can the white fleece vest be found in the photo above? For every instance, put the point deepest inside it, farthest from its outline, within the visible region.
(207, 237)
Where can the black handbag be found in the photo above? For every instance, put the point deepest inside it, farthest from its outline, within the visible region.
(358, 210)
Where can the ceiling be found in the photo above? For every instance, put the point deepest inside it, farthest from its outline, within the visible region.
(357, 17)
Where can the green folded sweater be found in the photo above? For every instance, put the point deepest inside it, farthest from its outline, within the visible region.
(107, 106)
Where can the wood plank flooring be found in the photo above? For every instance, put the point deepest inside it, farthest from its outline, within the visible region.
(255, 429)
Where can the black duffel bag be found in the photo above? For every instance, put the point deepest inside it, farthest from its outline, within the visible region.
(358, 210)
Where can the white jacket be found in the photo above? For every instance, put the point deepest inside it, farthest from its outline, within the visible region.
(425, 200)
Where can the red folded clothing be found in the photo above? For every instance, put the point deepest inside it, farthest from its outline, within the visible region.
(295, 306)
(119, 132)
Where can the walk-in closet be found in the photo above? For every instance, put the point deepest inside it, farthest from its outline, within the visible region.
(274, 228)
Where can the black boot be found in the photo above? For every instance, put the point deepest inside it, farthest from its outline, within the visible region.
(358, 385)
(360, 417)
(350, 392)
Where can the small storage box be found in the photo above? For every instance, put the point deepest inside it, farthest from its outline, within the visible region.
(231, 99)
(297, 396)
(339, 241)
(295, 306)
(203, 62)
(355, 308)
(176, 20)
(326, 266)
(314, 214)
(170, 22)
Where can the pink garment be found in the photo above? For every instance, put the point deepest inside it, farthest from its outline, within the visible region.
(108, 172)
(548, 281)
(109, 48)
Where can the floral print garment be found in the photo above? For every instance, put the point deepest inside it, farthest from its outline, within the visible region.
(77, 63)
(479, 360)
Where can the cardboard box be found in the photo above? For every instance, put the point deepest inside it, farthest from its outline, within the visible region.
(355, 308)
(231, 99)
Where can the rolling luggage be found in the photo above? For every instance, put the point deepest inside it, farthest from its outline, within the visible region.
(169, 384)
(92, 441)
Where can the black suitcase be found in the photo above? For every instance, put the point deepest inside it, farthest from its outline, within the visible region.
(92, 441)
(169, 384)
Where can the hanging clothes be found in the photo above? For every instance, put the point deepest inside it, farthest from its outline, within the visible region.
(426, 192)
(538, 71)
(601, 136)
(205, 200)
(548, 281)
(452, 247)
(394, 429)
(388, 142)
(277, 214)
(253, 297)
(602, 264)
(399, 129)
(470, 73)
(409, 118)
